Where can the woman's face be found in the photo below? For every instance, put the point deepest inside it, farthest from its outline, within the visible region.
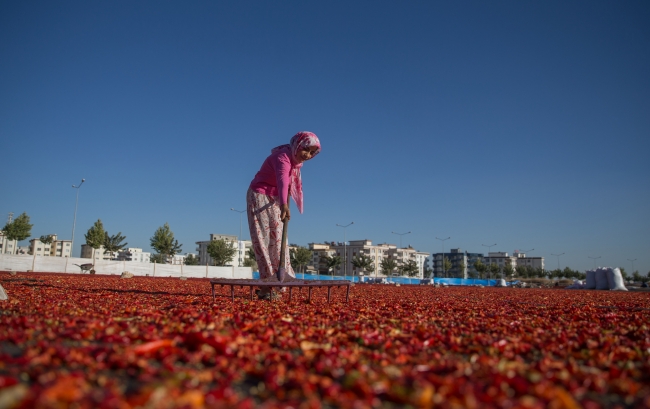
(307, 153)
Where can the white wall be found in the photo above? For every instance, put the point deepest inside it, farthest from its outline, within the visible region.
(69, 265)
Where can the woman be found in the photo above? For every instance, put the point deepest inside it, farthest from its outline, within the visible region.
(267, 201)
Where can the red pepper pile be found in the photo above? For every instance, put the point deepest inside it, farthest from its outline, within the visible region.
(101, 341)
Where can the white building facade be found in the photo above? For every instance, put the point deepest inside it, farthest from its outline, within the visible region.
(7, 246)
(238, 259)
(502, 259)
(57, 248)
(522, 260)
(134, 254)
(355, 248)
(98, 254)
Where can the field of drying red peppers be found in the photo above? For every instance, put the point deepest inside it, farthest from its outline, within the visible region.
(100, 341)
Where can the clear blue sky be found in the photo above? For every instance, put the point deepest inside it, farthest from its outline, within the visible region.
(524, 124)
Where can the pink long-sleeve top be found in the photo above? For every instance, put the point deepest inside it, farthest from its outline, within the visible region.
(274, 176)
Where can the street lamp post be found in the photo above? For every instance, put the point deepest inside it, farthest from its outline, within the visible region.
(345, 250)
(489, 258)
(632, 260)
(594, 259)
(524, 253)
(400, 237)
(400, 240)
(558, 259)
(239, 252)
(74, 221)
(443, 254)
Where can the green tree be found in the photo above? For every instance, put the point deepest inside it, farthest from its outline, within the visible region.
(332, 263)
(624, 273)
(428, 272)
(508, 270)
(568, 273)
(300, 257)
(541, 273)
(164, 243)
(95, 236)
(251, 254)
(222, 251)
(388, 265)
(371, 268)
(480, 268)
(250, 260)
(190, 260)
(410, 268)
(461, 269)
(494, 270)
(158, 258)
(113, 243)
(646, 278)
(19, 229)
(47, 239)
(447, 266)
(523, 271)
(361, 262)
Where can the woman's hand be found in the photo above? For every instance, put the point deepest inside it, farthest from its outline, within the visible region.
(285, 212)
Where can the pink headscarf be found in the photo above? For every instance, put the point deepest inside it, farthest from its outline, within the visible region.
(299, 141)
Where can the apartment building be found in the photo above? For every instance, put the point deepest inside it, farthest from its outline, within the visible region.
(354, 248)
(7, 246)
(502, 259)
(134, 254)
(522, 260)
(57, 248)
(237, 260)
(178, 258)
(320, 252)
(404, 255)
(99, 254)
(462, 264)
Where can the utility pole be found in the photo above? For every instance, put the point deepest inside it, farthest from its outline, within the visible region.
(632, 260)
(345, 250)
(74, 222)
(558, 259)
(239, 247)
(443, 254)
(489, 258)
(594, 259)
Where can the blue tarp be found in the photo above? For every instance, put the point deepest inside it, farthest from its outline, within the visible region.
(465, 281)
(399, 280)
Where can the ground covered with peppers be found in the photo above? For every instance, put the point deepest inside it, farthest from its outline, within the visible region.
(89, 341)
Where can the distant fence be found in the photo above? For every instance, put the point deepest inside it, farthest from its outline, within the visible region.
(71, 265)
(396, 280)
(465, 281)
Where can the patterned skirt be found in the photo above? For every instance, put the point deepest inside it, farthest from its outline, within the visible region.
(266, 233)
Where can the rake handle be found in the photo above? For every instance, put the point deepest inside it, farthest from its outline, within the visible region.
(283, 246)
